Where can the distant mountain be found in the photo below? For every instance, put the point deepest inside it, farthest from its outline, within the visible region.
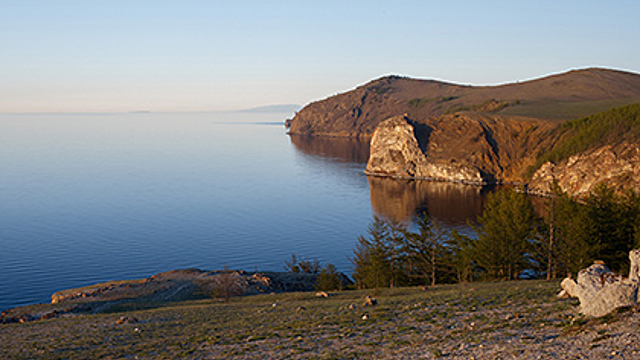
(569, 95)
(281, 108)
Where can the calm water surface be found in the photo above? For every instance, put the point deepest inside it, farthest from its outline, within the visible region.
(90, 198)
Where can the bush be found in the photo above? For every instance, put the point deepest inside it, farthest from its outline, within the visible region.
(329, 279)
(302, 266)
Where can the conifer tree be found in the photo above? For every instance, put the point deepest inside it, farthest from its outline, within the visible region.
(572, 248)
(506, 235)
(461, 248)
(425, 249)
(373, 257)
(329, 278)
(613, 227)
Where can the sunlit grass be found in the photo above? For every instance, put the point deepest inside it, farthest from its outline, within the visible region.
(297, 324)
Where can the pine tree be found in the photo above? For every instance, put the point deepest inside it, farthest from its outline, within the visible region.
(373, 257)
(462, 254)
(572, 249)
(614, 225)
(506, 235)
(425, 249)
(329, 279)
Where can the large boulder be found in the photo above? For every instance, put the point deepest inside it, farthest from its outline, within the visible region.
(600, 291)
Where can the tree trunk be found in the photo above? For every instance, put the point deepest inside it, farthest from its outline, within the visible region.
(551, 240)
(433, 266)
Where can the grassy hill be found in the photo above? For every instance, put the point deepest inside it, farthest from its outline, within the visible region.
(569, 95)
(483, 320)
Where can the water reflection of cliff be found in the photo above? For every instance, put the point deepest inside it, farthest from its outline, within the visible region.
(339, 149)
(448, 203)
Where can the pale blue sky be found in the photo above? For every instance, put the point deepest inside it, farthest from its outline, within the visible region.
(219, 55)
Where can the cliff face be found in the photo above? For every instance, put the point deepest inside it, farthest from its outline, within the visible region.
(618, 167)
(396, 152)
(481, 150)
(471, 149)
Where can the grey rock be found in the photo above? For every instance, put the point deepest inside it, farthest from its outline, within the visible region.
(600, 291)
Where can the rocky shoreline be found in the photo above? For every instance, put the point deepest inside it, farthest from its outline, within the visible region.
(170, 286)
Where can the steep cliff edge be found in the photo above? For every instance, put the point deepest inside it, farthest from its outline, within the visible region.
(396, 152)
(471, 148)
(569, 95)
(618, 167)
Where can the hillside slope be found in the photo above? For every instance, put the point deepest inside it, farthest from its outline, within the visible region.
(501, 320)
(569, 95)
(602, 148)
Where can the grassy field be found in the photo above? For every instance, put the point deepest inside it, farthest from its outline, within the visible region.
(434, 322)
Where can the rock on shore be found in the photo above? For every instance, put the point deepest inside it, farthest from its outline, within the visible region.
(175, 285)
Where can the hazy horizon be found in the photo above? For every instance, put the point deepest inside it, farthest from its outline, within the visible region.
(160, 56)
(272, 108)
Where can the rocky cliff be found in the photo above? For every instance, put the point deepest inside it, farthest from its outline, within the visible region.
(471, 148)
(396, 152)
(602, 148)
(618, 167)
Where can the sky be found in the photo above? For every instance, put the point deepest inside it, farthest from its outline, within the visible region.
(187, 55)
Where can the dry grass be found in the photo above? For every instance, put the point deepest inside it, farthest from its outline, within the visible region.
(454, 321)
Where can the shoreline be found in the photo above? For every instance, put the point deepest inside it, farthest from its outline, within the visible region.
(166, 287)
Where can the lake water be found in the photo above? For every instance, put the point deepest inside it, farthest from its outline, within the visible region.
(91, 198)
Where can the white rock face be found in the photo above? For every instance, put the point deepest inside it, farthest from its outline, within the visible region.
(396, 152)
(600, 291)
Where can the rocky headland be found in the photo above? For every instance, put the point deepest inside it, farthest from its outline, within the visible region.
(565, 96)
(530, 133)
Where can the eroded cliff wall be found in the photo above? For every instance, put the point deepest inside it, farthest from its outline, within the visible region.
(618, 167)
(471, 149)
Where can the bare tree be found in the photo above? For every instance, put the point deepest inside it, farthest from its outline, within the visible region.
(227, 284)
